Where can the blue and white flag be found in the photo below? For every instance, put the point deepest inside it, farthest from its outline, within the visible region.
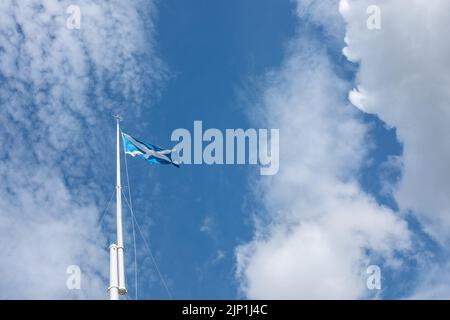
(149, 152)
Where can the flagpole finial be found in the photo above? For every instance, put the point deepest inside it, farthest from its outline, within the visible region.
(118, 117)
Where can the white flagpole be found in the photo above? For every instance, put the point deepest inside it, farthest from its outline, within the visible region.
(113, 278)
(117, 263)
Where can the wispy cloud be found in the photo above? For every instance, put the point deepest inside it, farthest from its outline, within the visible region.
(208, 225)
(58, 87)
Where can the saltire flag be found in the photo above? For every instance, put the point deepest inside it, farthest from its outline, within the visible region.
(147, 151)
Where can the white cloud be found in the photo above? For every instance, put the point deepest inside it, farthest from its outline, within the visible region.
(323, 229)
(58, 87)
(208, 225)
(433, 284)
(219, 257)
(323, 13)
(404, 78)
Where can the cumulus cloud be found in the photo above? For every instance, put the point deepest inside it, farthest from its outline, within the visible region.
(58, 89)
(404, 79)
(320, 230)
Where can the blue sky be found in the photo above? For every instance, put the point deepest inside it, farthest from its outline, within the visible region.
(213, 52)
(363, 168)
(210, 58)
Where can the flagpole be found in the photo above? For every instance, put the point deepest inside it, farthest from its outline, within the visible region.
(113, 277)
(117, 264)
